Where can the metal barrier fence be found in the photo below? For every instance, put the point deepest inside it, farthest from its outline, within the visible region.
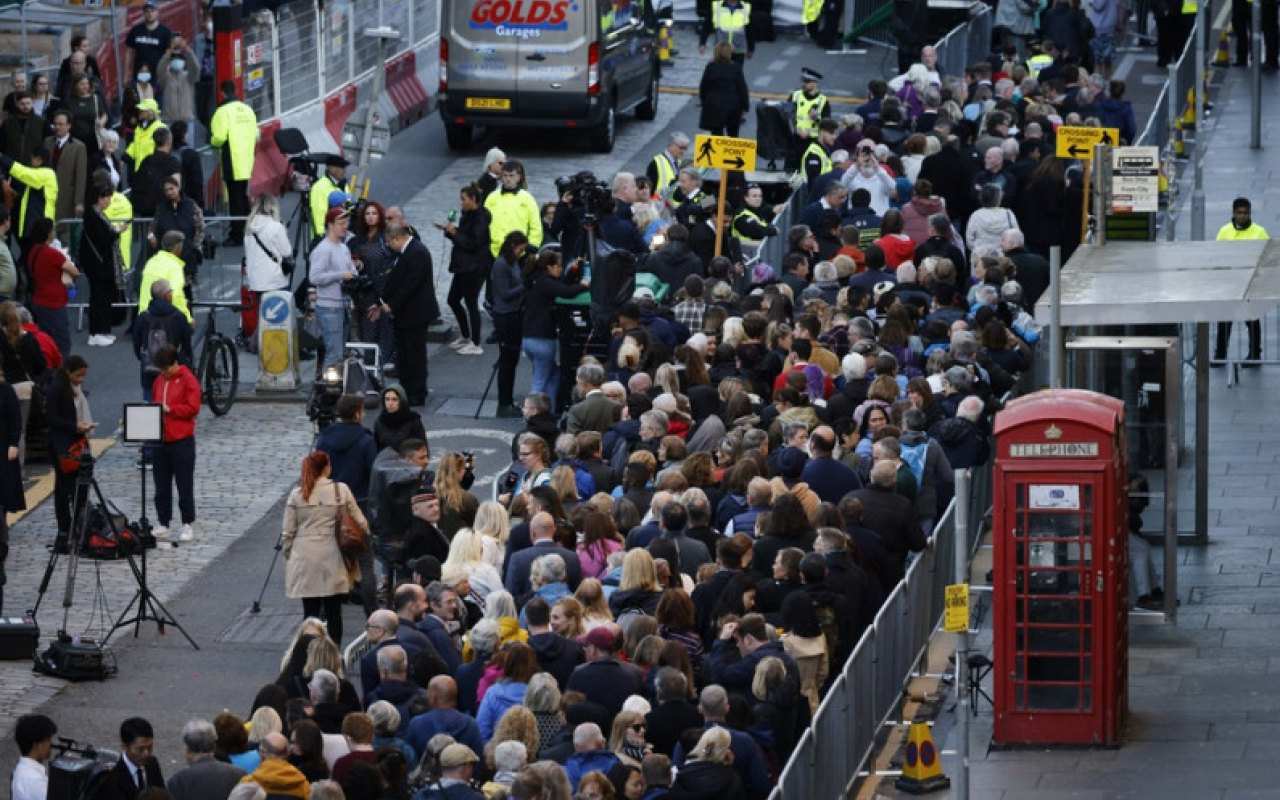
(869, 690)
(966, 44)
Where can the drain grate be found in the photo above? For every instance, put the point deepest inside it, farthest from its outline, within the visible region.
(268, 626)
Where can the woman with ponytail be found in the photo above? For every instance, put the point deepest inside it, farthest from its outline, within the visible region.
(315, 570)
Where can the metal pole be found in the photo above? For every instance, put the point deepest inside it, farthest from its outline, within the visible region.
(1101, 192)
(115, 45)
(1057, 337)
(1202, 432)
(962, 639)
(26, 52)
(379, 83)
(1255, 79)
(276, 103)
(1197, 154)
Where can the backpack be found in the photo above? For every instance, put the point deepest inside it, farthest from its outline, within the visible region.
(157, 338)
(619, 457)
(830, 625)
(913, 455)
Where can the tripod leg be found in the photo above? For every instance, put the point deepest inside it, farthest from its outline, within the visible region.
(487, 387)
(257, 604)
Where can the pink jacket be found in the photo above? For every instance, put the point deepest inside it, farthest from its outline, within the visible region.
(595, 562)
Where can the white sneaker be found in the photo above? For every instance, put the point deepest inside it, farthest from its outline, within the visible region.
(160, 532)
(187, 534)
(95, 340)
(107, 339)
(471, 349)
(459, 343)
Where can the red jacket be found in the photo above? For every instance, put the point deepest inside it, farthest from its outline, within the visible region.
(52, 355)
(181, 393)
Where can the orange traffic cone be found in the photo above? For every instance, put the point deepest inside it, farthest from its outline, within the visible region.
(1223, 57)
(921, 773)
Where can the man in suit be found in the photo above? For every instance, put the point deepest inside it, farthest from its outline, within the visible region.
(137, 768)
(542, 530)
(442, 609)
(595, 412)
(204, 777)
(381, 630)
(69, 160)
(406, 299)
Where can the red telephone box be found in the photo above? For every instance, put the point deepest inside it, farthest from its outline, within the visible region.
(1061, 570)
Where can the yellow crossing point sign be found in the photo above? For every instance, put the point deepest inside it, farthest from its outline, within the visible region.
(955, 617)
(1078, 142)
(725, 152)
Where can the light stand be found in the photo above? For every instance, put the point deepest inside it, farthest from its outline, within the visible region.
(143, 424)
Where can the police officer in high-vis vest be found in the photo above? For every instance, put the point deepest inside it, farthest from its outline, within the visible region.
(811, 107)
(144, 143)
(816, 160)
(665, 166)
(234, 128)
(1241, 228)
(730, 21)
(333, 180)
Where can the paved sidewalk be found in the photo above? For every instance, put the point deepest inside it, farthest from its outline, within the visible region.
(245, 462)
(1203, 705)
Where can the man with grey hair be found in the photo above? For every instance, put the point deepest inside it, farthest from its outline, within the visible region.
(892, 516)
(673, 714)
(591, 753)
(509, 758)
(394, 685)
(204, 777)
(380, 631)
(964, 437)
(162, 323)
(442, 610)
(748, 760)
(327, 790)
(650, 529)
(1031, 268)
(325, 689)
(595, 412)
(542, 529)
(957, 384)
(653, 425)
(698, 506)
(624, 194)
(853, 367)
(759, 500)
(664, 167)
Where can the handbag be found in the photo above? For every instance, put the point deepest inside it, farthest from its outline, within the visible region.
(69, 461)
(287, 264)
(352, 540)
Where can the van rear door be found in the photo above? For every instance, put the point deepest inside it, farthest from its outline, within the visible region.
(554, 39)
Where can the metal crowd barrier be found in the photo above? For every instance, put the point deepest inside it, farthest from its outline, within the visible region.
(835, 749)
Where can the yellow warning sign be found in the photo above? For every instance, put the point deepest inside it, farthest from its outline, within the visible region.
(725, 152)
(955, 617)
(1078, 142)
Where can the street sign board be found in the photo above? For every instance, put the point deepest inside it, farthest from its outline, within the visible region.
(1135, 179)
(955, 617)
(725, 152)
(1078, 142)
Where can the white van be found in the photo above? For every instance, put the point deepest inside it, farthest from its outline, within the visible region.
(573, 64)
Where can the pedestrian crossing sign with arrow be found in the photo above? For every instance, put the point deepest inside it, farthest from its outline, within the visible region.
(1078, 141)
(725, 152)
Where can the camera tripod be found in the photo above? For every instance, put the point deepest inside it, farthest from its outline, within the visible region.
(148, 606)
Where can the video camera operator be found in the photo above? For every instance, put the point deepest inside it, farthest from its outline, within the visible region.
(581, 194)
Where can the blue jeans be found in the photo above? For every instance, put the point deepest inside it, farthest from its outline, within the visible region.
(332, 321)
(546, 377)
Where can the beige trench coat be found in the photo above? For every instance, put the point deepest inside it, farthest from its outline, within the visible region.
(314, 566)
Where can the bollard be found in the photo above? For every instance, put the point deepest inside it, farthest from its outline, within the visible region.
(664, 44)
(1223, 57)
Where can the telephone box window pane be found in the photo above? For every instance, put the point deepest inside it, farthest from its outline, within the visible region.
(1053, 698)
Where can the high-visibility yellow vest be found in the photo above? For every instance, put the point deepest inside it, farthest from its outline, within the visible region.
(319, 200)
(811, 11)
(234, 124)
(121, 210)
(144, 143)
(1037, 63)
(1190, 6)
(1254, 232)
(666, 171)
(41, 183)
(730, 24)
(747, 213)
(172, 269)
(804, 109)
(816, 147)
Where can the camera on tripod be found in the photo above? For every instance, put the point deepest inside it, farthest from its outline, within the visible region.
(322, 406)
(585, 190)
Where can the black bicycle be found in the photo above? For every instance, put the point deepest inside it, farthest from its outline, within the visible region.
(218, 362)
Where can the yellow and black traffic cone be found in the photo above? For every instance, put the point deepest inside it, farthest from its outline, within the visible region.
(1179, 147)
(1188, 118)
(1223, 57)
(921, 772)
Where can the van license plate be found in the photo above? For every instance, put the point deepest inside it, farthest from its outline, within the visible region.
(492, 103)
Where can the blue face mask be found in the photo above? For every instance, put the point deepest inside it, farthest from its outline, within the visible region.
(144, 77)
